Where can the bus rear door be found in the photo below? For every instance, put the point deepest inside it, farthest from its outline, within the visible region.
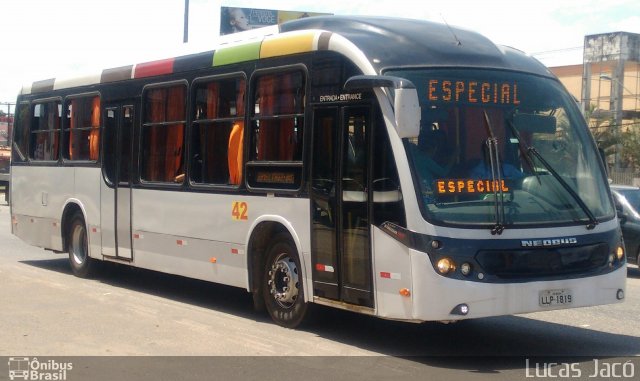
(116, 190)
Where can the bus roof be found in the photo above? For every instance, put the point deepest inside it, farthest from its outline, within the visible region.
(397, 42)
(373, 43)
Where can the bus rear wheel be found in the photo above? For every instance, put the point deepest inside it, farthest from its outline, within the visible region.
(77, 244)
(283, 284)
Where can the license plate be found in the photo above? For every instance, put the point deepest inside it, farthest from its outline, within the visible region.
(551, 298)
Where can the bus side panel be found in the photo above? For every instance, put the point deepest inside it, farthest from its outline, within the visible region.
(202, 235)
(87, 193)
(391, 273)
(38, 195)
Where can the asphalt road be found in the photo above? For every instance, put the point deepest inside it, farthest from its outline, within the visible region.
(46, 311)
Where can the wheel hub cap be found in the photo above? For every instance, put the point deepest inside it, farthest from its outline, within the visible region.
(283, 281)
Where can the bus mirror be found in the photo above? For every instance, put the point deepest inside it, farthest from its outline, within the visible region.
(406, 105)
(407, 110)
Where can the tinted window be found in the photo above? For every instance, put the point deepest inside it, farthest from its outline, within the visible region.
(163, 134)
(278, 117)
(45, 130)
(82, 129)
(217, 135)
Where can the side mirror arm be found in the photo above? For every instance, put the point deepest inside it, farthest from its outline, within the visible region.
(406, 104)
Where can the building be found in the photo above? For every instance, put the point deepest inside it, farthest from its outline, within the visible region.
(607, 84)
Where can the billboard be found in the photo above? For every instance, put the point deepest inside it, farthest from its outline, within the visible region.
(233, 20)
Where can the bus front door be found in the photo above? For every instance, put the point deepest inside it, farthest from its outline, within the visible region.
(116, 189)
(340, 195)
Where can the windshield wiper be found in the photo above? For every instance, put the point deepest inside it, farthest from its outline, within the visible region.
(532, 151)
(522, 147)
(496, 176)
(592, 219)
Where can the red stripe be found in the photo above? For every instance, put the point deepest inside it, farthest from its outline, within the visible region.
(149, 69)
(234, 251)
(385, 275)
(320, 267)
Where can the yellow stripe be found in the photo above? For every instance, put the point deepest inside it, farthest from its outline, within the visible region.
(284, 44)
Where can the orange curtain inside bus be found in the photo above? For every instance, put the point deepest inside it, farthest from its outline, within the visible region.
(476, 131)
(54, 121)
(236, 138)
(84, 115)
(156, 115)
(166, 141)
(213, 99)
(94, 135)
(276, 138)
(287, 143)
(175, 134)
(266, 89)
(75, 106)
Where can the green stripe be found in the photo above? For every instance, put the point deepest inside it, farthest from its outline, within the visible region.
(245, 52)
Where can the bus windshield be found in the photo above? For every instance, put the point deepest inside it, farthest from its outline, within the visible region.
(503, 149)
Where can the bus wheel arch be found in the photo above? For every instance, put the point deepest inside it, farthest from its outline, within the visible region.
(70, 210)
(273, 241)
(75, 240)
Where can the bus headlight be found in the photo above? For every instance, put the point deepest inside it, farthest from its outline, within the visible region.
(445, 265)
(620, 253)
(465, 268)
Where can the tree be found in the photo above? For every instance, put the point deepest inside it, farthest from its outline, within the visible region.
(631, 146)
(603, 134)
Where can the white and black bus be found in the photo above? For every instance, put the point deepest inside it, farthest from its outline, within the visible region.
(405, 170)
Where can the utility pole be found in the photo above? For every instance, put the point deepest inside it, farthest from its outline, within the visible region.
(185, 39)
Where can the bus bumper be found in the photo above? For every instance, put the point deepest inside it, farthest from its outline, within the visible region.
(436, 297)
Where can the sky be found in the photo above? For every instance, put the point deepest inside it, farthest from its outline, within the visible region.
(44, 39)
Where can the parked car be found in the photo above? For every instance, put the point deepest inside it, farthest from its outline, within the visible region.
(627, 199)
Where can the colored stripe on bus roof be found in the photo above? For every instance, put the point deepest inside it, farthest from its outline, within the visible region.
(193, 62)
(116, 74)
(149, 69)
(238, 53)
(77, 81)
(288, 43)
(274, 45)
(42, 86)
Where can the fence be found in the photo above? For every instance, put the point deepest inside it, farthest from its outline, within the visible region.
(623, 177)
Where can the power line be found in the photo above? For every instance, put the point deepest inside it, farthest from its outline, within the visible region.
(557, 51)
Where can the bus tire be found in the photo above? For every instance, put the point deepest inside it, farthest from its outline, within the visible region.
(82, 265)
(282, 286)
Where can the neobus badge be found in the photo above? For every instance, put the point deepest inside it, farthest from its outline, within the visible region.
(549, 242)
(473, 92)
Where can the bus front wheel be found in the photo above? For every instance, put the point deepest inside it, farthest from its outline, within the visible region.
(283, 284)
(81, 264)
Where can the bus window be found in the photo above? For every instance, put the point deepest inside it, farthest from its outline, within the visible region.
(81, 131)
(163, 134)
(217, 132)
(45, 130)
(387, 196)
(21, 133)
(278, 117)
